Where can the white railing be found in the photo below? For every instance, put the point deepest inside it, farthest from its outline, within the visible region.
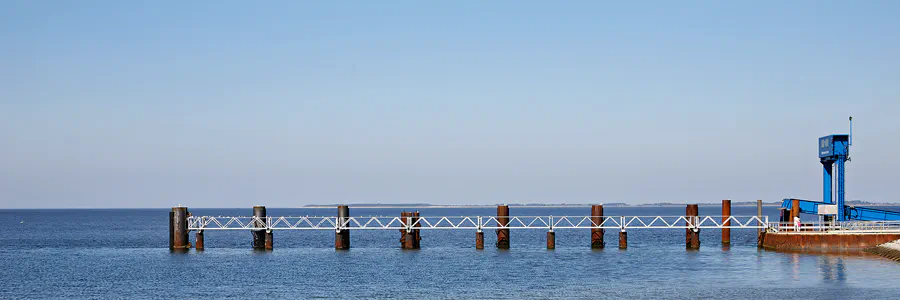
(846, 227)
(473, 222)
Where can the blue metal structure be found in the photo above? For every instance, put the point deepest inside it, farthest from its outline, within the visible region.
(852, 212)
(834, 153)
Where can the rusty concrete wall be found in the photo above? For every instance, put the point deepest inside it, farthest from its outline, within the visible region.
(813, 242)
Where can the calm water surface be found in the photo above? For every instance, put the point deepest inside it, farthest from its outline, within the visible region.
(123, 254)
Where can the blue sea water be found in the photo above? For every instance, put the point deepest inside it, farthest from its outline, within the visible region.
(122, 253)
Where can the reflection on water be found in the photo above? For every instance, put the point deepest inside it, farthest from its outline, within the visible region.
(795, 265)
(832, 269)
(137, 264)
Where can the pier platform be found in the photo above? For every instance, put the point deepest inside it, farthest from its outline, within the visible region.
(833, 237)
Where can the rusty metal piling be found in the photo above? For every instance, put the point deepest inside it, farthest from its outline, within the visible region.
(172, 229)
(760, 233)
(795, 209)
(409, 237)
(479, 240)
(260, 235)
(503, 221)
(623, 239)
(551, 236)
(418, 236)
(551, 240)
(597, 233)
(726, 213)
(759, 214)
(342, 236)
(692, 234)
(198, 244)
(178, 226)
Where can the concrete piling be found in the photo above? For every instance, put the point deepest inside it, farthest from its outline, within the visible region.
(179, 228)
(623, 239)
(692, 236)
(503, 220)
(342, 237)
(551, 240)
(597, 233)
(260, 235)
(409, 239)
(726, 213)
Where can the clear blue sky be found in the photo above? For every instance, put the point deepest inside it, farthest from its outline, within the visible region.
(231, 103)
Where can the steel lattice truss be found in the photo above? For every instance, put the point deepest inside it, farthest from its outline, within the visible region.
(473, 222)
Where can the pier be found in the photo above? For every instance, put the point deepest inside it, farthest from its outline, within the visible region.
(829, 236)
(412, 224)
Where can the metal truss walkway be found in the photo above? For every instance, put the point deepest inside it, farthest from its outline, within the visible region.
(475, 222)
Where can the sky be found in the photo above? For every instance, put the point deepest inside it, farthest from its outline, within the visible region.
(121, 104)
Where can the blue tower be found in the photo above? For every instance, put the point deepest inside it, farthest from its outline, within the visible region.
(834, 153)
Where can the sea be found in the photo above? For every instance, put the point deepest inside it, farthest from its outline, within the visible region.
(123, 254)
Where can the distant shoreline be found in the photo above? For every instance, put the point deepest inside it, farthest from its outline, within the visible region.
(524, 206)
(423, 206)
(383, 206)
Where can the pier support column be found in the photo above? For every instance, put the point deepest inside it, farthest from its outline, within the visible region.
(342, 237)
(198, 244)
(597, 233)
(503, 220)
(726, 213)
(623, 239)
(172, 229)
(409, 239)
(759, 232)
(269, 240)
(403, 217)
(259, 235)
(795, 210)
(759, 215)
(479, 240)
(416, 232)
(692, 237)
(179, 228)
(551, 240)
